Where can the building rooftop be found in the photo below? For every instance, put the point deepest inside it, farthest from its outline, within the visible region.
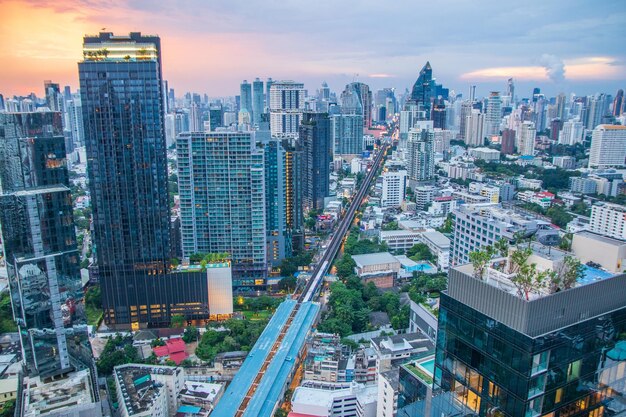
(600, 238)
(437, 238)
(497, 297)
(416, 342)
(42, 398)
(274, 375)
(138, 388)
(374, 259)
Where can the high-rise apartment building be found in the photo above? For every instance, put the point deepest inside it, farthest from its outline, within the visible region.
(257, 101)
(480, 225)
(122, 99)
(505, 352)
(39, 239)
(608, 220)
(221, 181)
(421, 158)
(347, 134)
(286, 107)
(508, 142)
(596, 108)
(316, 146)
(608, 147)
(526, 138)
(474, 128)
(571, 133)
(493, 115)
(394, 188)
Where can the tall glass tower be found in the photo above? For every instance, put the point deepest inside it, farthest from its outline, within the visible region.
(36, 221)
(121, 93)
(257, 101)
(316, 147)
(246, 97)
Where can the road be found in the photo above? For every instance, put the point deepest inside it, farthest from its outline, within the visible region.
(312, 287)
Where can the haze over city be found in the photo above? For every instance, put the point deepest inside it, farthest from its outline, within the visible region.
(209, 47)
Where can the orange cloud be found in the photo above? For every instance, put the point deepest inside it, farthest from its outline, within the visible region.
(588, 68)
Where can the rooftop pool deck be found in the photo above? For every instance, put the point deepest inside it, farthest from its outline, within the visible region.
(593, 274)
(428, 364)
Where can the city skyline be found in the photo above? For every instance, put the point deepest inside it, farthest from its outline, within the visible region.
(532, 44)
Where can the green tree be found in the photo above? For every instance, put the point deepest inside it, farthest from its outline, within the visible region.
(420, 252)
(190, 334)
(391, 226)
(177, 321)
(287, 283)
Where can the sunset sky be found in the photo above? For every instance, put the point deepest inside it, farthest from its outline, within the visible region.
(210, 46)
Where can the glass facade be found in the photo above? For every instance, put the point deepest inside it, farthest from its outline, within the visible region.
(316, 146)
(37, 226)
(489, 369)
(122, 99)
(222, 201)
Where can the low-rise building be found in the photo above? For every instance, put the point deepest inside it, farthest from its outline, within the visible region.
(148, 390)
(8, 390)
(202, 395)
(400, 240)
(486, 154)
(608, 252)
(335, 400)
(439, 245)
(381, 268)
(531, 184)
(70, 396)
(582, 185)
(396, 349)
(565, 162)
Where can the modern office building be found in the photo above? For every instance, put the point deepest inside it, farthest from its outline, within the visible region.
(502, 352)
(608, 220)
(216, 116)
(526, 138)
(315, 144)
(421, 158)
(347, 134)
(608, 147)
(493, 115)
(394, 188)
(39, 240)
(421, 94)
(257, 101)
(221, 181)
(286, 102)
(122, 98)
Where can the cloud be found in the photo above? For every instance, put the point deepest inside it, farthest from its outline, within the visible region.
(380, 75)
(555, 68)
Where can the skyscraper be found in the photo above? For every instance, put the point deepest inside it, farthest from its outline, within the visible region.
(315, 144)
(268, 86)
(510, 90)
(422, 92)
(347, 134)
(561, 103)
(222, 201)
(257, 101)
(618, 103)
(421, 158)
(474, 128)
(526, 138)
(122, 99)
(36, 220)
(493, 116)
(438, 114)
(54, 98)
(246, 98)
(571, 133)
(508, 142)
(286, 107)
(608, 147)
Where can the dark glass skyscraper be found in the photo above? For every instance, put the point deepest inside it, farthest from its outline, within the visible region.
(37, 227)
(316, 146)
(122, 98)
(422, 92)
(559, 354)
